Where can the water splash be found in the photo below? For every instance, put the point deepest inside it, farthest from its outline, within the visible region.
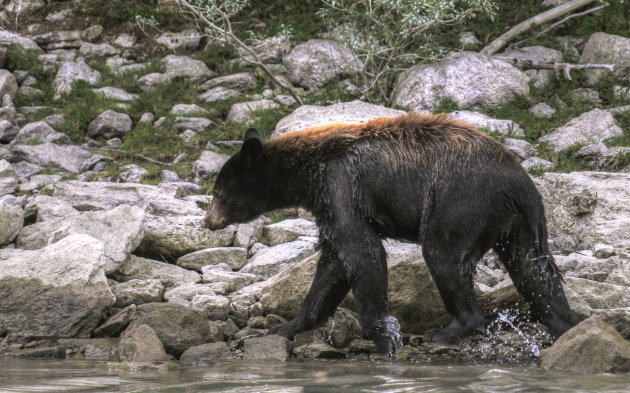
(530, 342)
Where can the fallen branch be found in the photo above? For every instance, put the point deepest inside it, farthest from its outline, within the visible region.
(566, 68)
(234, 40)
(537, 20)
(132, 154)
(560, 22)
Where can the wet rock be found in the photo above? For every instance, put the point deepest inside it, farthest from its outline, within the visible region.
(318, 351)
(173, 237)
(537, 163)
(315, 62)
(269, 347)
(64, 158)
(186, 67)
(539, 78)
(8, 131)
(196, 124)
(592, 346)
(89, 50)
(288, 230)
(272, 260)
(521, 148)
(8, 179)
(470, 80)
(207, 352)
(242, 112)
(116, 94)
(594, 126)
(145, 269)
(8, 85)
(138, 292)
(505, 127)
(235, 257)
(187, 109)
(187, 39)
(585, 208)
(178, 327)
(40, 131)
(116, 323)
(269, 50)
(90, 348)
(148, 82)
(241, 81)
(342, 328)
(11, 221)
(120, 229)
(344, 112)
(140, 343)
(110, 124)
(602, 48)
(70, 72)
(60, 290)
(208, 165)
(234, 280)
(219, 93)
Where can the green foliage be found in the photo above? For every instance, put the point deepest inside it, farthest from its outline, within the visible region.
(216, 55)
(119, 11)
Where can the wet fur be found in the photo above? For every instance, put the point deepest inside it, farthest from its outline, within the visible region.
(425, 179)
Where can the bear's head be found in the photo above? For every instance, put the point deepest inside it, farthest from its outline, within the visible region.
(242, 190)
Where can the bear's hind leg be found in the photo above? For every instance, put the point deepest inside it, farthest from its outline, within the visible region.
(328, 289)
(453, 275)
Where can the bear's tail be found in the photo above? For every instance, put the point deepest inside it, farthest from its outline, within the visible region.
(524, 251)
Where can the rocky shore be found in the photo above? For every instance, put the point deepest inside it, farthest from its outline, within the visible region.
(102, 259)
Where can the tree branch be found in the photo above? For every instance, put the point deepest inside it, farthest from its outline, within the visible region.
(537, 20)
(566, 68)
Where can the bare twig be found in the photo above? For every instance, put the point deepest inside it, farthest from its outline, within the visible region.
(560, 22)
(132, 154)
(234, 40)
(566, 68)
(537, 20)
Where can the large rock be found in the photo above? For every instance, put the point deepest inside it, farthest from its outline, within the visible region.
(39, 132)
(72, 71)
(219, 93)
(209, 352)
(8, 38)
(470, 80)
(110, 124)
(185, 67)
(11, 221)
(44, 208)
(195, 124)
(178, 327)
(138, 292)
(270, 261)
(592, 346)
(593, 126)
(70, 36)
(223, 274)
(89, 50)
(8, 178)
(25, 6)
(235, 257)
(269, 50)
(140, 343)
(209, 164)
(120, 229)
(64, 158)
(187, 39)
(116, 94)
(138, 268)
(8, 131)
(240, 81)
(602, 48)
(271, 347)
(59, 290)
(8, 85)
(585, 208)
(173, 237)
(539, 78)
(288, 230)
(242, 112)
(344, 112)
(315, 62)
(505, 127)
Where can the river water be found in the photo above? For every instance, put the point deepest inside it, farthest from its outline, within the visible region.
(296, 376)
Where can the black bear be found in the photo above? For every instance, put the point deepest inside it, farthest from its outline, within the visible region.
(426, 179)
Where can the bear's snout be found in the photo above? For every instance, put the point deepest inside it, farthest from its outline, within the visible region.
(213, 220)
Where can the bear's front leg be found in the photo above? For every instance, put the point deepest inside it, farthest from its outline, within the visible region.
(328, 289)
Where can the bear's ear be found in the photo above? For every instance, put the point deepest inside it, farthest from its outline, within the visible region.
(252, 147)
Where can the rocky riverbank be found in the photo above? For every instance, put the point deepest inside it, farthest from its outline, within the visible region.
(103, 255)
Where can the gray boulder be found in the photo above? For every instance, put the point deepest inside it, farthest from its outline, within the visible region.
(59, 290)
(45, 208)
(11, 221)
(288, 230)
(470, 80)
(140, 343)
(186, 39)
(89, 50)
(234, 280)
(186, 109)
(8, 38)
(138, 292)
(209, 352)
(593, 126)
(133, 174)
(185, 67)
(539, 78)
(148, 82)
(271, 347)
(200, 297)
(270, 261)
(344, 112)
(240, 81)
(542, 110)
(208, 165)
(137, 268)
(521, 148)
(40, 131)
(8, 85)
(8, 178)
(590, 347)
(602, 48)
(196, 124)
(64, 158)
(219, 93)
(8, 131)
(235, 257)
(70, 72)
(25, 6)
(505, 127)
(269, 50)
(537, 163)
(116, 94)
(110, 124)
(315, 62)
(242, 112)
